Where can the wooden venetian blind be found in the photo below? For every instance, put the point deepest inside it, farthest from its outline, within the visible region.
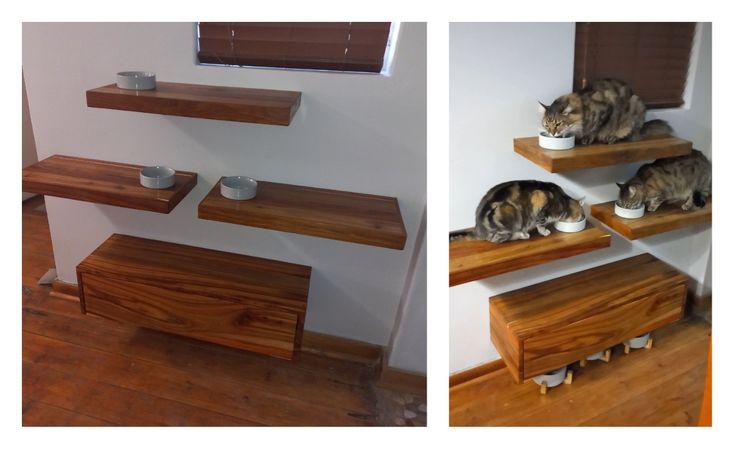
(653, 58)
(340, 46)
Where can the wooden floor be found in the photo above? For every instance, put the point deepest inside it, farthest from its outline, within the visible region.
(82, 370)
(658, 387)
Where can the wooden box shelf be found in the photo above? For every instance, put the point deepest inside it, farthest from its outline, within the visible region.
(542, 327)
(345, 216)
(105, 182)
(235, 300)
(666, 218)
(474, 260)
(263, 106)
(599, 155)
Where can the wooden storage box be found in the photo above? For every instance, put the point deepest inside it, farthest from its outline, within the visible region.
(542, 327)
(239, 301)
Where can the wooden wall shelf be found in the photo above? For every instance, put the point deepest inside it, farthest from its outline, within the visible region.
(542, 327)
(344, 216)
(599, 155)
(666, 218)
(240, 301)
(263, 106)
(474, 260)
(104, 182)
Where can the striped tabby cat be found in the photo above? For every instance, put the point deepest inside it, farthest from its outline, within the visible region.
(607, 111)
(510, 210)
(669, 180)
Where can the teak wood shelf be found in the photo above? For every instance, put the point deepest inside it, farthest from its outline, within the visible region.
(263, 106)
(665, 218)
(104, 182)
(344, 216)
(235, 300)
(542, 327)
(599, 155)
(474, 260)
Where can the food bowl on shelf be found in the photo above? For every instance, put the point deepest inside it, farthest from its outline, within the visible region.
(157, 177)
(638, 342)
(571, 227)
(238, 188)
(549, 142)
(553, 378)
(136, 81)
(627, 213)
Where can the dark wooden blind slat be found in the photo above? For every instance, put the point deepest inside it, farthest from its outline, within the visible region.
(344, 46)
(652, 57)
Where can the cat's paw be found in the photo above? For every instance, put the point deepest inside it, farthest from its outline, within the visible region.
(687, 206)
(652, 208)
(524, 235)
(611, 139)
(544, 231)
(588, 140)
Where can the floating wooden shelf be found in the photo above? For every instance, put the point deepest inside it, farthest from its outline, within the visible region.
(598, 155)
(542, 327)
(344, 216)
(200, 101)
(474, 260)
(235, 300)
(666, 218)
(105, 182)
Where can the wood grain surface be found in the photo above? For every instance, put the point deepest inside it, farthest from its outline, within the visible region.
(657, 387)
(104, 182)
(666, 218)
(264, 106)
(236, 300)
(474, 260)
(545, 326)
(344, 216)
(599, 155)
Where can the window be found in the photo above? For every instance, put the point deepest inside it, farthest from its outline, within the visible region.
(653, 58)
(338, 46)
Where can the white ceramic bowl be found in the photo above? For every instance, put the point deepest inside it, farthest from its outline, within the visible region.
(157, 177)
(639, 342)
(629, 213)
(571, 227)
(138, 81)
(550, 142)
(553, 378)
(238, 188)
(595, 356)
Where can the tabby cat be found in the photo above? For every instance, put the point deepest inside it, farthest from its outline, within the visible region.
(510, 210)
(607, 111)
(669, 180)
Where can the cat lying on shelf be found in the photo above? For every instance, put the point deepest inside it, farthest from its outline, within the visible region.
(510, 210)
(669, 180)
(607, 111)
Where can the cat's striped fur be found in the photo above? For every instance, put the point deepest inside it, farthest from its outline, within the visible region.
(686, 179)
(607, 111)
(511, 210)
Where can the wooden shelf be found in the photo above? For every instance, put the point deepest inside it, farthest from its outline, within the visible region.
(542, 327)
(240, 301)
(666, 218)
(205, 102)
(599, 155)
(474, 260)
(344, 216)
(105, 182)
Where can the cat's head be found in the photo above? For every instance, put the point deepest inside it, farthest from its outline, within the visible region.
(631, 195)
(563, 117)
(575, 212)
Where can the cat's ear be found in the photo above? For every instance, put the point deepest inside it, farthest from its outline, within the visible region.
(545, 108)
(620, 185)
(567, 110)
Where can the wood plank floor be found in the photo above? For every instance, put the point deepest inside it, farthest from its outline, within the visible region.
(658, 387)
(87, 371)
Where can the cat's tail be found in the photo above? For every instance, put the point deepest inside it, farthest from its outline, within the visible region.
(656, 127)
(468, 234)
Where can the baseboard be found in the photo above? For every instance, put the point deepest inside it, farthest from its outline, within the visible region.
(401, 380)
(314, 343)
(475, 372)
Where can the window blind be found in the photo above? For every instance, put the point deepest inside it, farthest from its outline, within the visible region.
(341, 46)
(653, 58)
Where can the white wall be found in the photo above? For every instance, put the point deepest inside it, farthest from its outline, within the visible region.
(498, 72)
(362, 133)
(29, 143)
